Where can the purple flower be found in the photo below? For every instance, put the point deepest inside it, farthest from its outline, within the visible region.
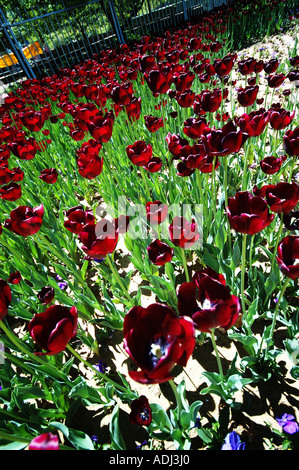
(288, 423)
(233, 442)
(101, 367)
(62, 284)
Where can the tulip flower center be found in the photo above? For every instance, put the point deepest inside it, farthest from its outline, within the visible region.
(157, 350)
(206, 304)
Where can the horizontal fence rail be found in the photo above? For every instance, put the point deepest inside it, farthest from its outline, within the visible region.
(34, 44)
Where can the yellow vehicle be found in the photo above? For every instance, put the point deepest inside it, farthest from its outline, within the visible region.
(30, 51)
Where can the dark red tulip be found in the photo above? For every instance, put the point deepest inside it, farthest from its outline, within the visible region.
(33, 120)
(141, 413)
(101, 128)
(291, 142)
(133, 109)
(25, 220)
(193, 156)
(153, 123)
(25, 149)
(287, 256)
(247, 96)
(274, 81)
(224, 66)
(183, 170)
(271, 66)
(49, 175)
(194, 127)
(159, 81)
(139, 153)
(156, 212)
(99, 239)
(5, 298)
(208, 302)
(153, 165)
(121, 223)
(46, 295)
(183, 81)
(159, 252)
(156, 340)
(185, 98)
(14, 278)
(280, 118)
(90, 166)
(248, 213)
(77, 217)
(271, 165)
(183, 233)
(147, 62)
(281, 197)
(45, 441)
(253, 123)
(175, 144)
(247, 66)
(122, 94)
(11, 192)
(54, 328)
(210, 100)
(224, 141)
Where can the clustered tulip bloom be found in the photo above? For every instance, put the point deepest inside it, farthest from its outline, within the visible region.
(5, 298)
(248, 213)
(287, 255)
(156, 212)
(156, 339)
(183, 233)
(271, 165)
(98, 240)
(208, 301)
(291, 142)
(77, 217)
(25, 220)
(159, 252)
(139, 153)
(54, 328)
(141, 413)
(281, 197)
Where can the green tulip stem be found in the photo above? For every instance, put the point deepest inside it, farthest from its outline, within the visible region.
(177, 397)
(243, 272)
(118, 278)
(277, 241)
(185, 264)
(277, 305)
(247, 148)
(217, 353)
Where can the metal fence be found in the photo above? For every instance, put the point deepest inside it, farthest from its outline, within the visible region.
(37, 44)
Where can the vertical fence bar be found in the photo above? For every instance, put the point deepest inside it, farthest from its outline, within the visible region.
(116, 23)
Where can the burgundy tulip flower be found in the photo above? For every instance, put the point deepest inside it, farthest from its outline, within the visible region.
(101, 128)
(90, 167)
(156, 340)
(224, 141)
(271, 66)
(45, 441)
(280, 118)
(156, 212)
(208, 302)
(5, 298)
(133, 109)
(46, 295)
(281, 197)
(193, 156)
(159, 252)
(139, 153)
(14, 278)
(154, 165)
(194, 127)
(141, 413)
(271, 165)
(122, 94)
(185, 98)
(153, 123)
(183, 233)
(210, 100)
(77, 217)
(175, 144)
(287, 256)
(11, 192)
(25, 220)
(291, 142)
(223, 67)
(247, 96)
(49, 175)
(159, 81)
(183, 81)
(52, 329)
(248, 213)
(33, 120)
(274, 81)
(247, 66)
(25, 149)
(99, 239)
(253, 123)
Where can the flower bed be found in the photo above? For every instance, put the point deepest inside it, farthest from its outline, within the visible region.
(149, 237)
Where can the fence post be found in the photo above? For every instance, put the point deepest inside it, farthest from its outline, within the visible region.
(185, 10)
(15, 46)
(117, 27)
